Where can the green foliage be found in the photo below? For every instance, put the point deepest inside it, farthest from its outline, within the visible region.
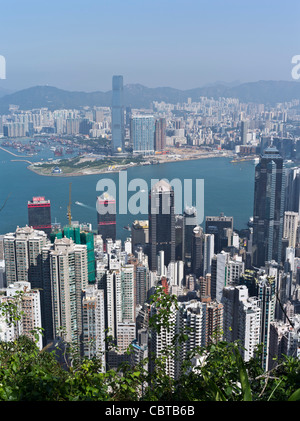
(28, 374)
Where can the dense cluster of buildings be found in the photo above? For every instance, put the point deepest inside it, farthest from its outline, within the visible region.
(223, 123)
(94, 290)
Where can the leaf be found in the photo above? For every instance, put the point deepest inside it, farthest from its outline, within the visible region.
(247, 395)
(295, 396)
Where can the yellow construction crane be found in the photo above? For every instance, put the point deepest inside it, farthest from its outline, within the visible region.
(69, 205)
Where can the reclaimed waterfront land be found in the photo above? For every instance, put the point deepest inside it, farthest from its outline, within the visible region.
(87, 165)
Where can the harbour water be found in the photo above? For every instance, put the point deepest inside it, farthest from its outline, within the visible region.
(228, 188)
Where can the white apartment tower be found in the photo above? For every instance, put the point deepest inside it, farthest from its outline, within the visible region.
(290, 226)
(22, 250)
(69, 278)
(93, 331)
(30, 309)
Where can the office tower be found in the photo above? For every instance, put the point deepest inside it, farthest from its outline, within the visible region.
(140, 233)
(106, 217)
(197, 251)
(93, 315)
(208, 252)
(141, 284)
(160, 134)
(161, 223)
(244, 131)
(117, 114)
(219, 277)
(290, 226)
(39, 214)
(292, 189)
(190, 222)
(218, 226)
(179, 237)
(22, 252)
(30, 313)
(65, 264)
(268, 209)
(142, 134)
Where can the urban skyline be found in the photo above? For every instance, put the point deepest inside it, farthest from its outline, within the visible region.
(153, 279)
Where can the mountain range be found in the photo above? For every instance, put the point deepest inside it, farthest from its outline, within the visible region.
(139, 96)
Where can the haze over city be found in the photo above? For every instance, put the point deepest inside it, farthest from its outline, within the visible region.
(77, 45)
(149, 203)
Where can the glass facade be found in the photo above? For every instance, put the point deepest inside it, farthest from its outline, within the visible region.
(117, 113)
(142, 134)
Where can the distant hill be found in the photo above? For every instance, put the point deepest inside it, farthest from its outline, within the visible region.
(139, 96)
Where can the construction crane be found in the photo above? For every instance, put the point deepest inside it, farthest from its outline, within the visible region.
(69, 205)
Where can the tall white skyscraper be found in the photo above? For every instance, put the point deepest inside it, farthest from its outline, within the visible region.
(208, 252)
(68, 271)
(290, 225)
(242, 319)
(22, 250)
(93, 313)
(30, 312)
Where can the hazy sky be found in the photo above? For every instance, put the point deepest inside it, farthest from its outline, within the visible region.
(79, 45)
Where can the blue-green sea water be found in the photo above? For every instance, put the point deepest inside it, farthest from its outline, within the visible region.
(228, 188)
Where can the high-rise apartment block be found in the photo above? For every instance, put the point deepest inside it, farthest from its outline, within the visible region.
(160, 134)
(30, 321)
(93, 314)
(290, 226)
(66, 265)
(22, 250)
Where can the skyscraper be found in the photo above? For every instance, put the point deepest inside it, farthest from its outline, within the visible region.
(117, 115)
(291, 220)
(219, 226)
(268, 210)
(68, 271)
(161, 223)
(142, 134)
(39, 214)
(106, 216)
(244, 131)
(160, 134)
(208, 252)
(190, 222)
(94, 323)
(22, 255)
(197, 251)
